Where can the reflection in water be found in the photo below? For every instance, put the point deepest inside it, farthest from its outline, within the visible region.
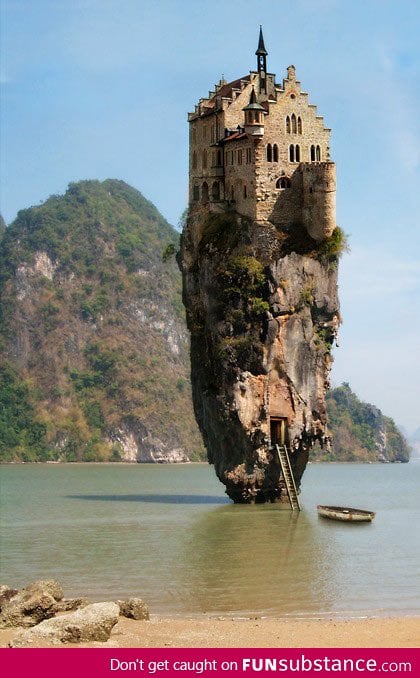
(256, 560)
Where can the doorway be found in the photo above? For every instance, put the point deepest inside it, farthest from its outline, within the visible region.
(278, 431)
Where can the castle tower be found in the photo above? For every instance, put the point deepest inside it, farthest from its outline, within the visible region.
(259, 146)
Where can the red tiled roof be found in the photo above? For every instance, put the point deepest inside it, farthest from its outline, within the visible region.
(234, 137)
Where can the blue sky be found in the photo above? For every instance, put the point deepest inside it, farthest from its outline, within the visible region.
(101, 88)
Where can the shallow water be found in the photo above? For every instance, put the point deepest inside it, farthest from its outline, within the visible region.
(171, 536)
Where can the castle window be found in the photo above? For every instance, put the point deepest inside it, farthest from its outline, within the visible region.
(196, 192)
(294, 127)
(312, 153)
(219, 158)
(318, 153)
(194, 160)
(248, 156)
(213, 134)
(245, 193)
(231, 157)
(283, 182)
(288, 125)
(299, 125)
(205, 192)
(275, 153)
(269, 153)
(239, 156)
(213, 159)
(297, 153)
(215, 190)
(204, 159)
(291, 153)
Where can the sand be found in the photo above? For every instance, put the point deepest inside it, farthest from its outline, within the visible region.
(225, 632)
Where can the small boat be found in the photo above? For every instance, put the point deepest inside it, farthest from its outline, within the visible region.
(346, 514)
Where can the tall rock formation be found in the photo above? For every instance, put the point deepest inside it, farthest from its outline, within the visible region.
(259, 259)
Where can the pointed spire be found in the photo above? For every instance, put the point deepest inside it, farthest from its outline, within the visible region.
(261, 47)
(253, 103)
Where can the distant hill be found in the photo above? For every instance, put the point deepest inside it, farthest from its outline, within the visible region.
(94, 358)
(360, 431)
(2, 226)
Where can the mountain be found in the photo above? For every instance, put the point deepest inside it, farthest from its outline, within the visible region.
(414, 441)
(94, 353)
(360, 431)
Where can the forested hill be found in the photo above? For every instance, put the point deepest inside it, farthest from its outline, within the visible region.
(360, 431)
(93, 347)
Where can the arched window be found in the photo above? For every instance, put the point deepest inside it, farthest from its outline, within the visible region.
(275, 153)
(297, 153)
(205, 192)
(204, 159)
(269, 153)
(294, 128)
(245, 192)
(283, 182)
(288, 125)
(299, 125)
(318, 153)
(196, 192)
(312, 153)
(215, 190)
(291, 153)
(194, 160)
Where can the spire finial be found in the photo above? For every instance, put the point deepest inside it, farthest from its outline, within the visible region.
(261, 47)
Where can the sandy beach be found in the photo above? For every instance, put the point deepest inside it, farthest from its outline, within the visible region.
(225, 632)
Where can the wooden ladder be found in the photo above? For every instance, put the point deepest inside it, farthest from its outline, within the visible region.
(286, 469)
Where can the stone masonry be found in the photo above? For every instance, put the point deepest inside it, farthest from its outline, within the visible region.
(261, 148)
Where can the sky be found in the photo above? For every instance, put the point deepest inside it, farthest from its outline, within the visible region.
(101, 88)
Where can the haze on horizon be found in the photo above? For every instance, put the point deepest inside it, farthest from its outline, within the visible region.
(94, 89)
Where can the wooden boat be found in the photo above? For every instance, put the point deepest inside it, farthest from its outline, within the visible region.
(346, 514)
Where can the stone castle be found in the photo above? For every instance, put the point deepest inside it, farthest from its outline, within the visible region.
(260, 148)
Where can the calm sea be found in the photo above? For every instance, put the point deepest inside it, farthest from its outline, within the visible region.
(169, 535)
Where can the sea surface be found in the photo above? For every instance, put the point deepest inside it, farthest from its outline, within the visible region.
(168, 534)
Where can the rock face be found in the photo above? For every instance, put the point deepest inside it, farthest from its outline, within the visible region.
(263, 312)
(30, 605)
(93, 343)
(92, 623)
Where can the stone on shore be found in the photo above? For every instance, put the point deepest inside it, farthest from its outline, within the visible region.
(91, 623)
(134, 608)
(30, 605)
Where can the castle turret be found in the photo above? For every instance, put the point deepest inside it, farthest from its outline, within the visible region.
(254, 117)
(319, 191)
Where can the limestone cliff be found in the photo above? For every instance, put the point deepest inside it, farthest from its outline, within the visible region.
(93, 344)
(263, 313)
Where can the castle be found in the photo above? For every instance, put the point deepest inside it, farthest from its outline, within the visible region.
(260, 148)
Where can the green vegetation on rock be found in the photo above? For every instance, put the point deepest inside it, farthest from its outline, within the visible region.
(93, 346)
(360, 431)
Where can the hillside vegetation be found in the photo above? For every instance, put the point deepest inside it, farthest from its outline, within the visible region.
(93, 345)
(360, 431)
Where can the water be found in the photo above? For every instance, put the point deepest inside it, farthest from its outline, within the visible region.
(169, 535)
